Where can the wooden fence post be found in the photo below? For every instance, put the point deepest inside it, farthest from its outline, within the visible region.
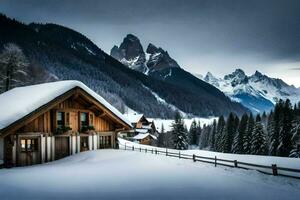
(194, 157)
(132, 148)
(166, 152)
(146, 150)
(140, 149)
(155, 151)
(235, 163)
(215, 161)
(274, 170)
(179, 154)
(152, 151)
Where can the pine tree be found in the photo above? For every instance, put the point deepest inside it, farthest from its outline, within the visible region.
(193, 133)
(264, 118)
(161, 137)
(275, 128)
(204, 138)
(295, 153)
(258, 118)
(180, 140)
(213, 133)
(239, 138)
(285, 133)
(248, 135)
(220, 132)
(199, 130)
(270, 124)
(258, 141)
(229, 133)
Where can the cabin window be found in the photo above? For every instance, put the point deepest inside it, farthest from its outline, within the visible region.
(29, 145)
(60, 119)
(84, 119)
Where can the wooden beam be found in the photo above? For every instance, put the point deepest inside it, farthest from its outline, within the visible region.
(102, 115)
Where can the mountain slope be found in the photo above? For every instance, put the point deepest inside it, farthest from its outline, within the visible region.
(67, 54)
(257, 92)
(159, 65)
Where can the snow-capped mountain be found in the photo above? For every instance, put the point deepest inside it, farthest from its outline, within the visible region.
(131, 53)
(257, 92)
(158, 64)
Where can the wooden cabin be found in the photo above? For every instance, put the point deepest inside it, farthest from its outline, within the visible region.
(50, 121)
(140, 124)
(145, 138)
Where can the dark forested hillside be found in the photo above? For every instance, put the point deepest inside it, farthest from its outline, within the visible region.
(62, 54)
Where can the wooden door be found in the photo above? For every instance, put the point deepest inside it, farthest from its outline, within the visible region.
(29, 151)
(62, 147)
(105, 142)
(84, 143)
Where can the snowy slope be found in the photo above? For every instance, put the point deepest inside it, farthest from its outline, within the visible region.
(162, 101)
(118, 174)
(257, 92)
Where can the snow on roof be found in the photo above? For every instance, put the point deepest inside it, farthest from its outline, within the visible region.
(19, 102)
(141, 130)
(143, 135)
(133, 117)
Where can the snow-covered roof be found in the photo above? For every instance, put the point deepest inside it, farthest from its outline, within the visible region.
(141, 130)
(133, 117)
(19, 102)
(144, 135)
(146, 126)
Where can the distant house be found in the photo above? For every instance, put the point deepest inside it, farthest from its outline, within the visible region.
(140, 124)
(46, 122)
(145, 138)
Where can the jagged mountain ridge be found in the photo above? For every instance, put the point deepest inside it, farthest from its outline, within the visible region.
(161, 66)
(258, 92)
(131, 53)
(67, 54)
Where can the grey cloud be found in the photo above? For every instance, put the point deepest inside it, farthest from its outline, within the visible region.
(199, 33)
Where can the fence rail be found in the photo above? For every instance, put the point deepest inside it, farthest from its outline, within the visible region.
(271, 170)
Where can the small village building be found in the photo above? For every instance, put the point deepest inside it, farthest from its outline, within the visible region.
(140, 124)
(145, 138)
(46, 122)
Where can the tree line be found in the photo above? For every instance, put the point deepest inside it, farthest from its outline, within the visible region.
(276, 133)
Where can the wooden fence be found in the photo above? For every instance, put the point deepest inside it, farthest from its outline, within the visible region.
(271, 170)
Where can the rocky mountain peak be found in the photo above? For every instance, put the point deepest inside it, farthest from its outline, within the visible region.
(237, 77)
(114, 52)
(210, 78)
(152, 49)
(131, 53)
(131, 47)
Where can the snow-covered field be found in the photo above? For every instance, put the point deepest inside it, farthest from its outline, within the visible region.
(252, 159)
(119, 174)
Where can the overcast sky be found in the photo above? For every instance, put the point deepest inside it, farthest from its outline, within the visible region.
(202, 35)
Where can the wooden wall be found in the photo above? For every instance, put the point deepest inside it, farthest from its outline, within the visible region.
(39, 124)
(46, 122)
